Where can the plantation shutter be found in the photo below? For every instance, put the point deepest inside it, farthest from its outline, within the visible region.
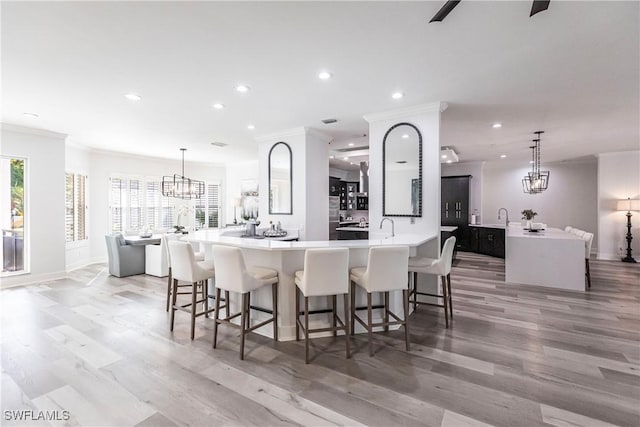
(68, 208)
(117, 188)
(153, 205)
(213, 203)
(167, 212)
(135, 212)
(80, 207)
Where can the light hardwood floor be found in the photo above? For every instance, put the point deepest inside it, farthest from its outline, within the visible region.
(100, 347)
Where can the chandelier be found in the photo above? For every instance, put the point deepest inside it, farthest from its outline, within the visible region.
(537, 180)
(181, 187)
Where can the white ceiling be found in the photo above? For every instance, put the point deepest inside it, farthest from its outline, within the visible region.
(572, 71)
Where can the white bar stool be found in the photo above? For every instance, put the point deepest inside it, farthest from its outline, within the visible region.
(386, 271)
(439, 267)
(164, 244)
(326, 273)
(232, 275)
(186, 268)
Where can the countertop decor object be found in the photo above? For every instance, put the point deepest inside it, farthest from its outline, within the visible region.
(628, 205)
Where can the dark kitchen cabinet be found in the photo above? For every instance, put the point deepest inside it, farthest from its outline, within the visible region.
(491, 241)
(348, 192)
(334, 186)
(454, 208)
(362, 203)
(353, 235)
(343, 196)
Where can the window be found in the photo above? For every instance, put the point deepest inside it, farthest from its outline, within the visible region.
(136, 204)
(75, 207)
(13, 215)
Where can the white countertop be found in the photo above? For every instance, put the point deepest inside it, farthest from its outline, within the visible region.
(549, 233)
(352, 229)
(492, 225)
(448, 228)
(216, 237)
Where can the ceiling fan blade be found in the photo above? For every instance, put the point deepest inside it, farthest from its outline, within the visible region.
(539, 6)
(444, 11)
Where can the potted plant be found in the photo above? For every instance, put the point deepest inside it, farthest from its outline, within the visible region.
(528, 214)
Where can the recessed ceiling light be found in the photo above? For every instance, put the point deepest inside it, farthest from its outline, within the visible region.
(351, 144)
(397, 95)
(346, 158)
(31, 115)
(496, 125)
(325, 75)
(405, 136)
(444, 156)
(530, 161)
(133, 97)
(449, 161)
(351, 162)
(502, 156)
(332, 157)
(218, 106)
(251, 127)
(242, 88)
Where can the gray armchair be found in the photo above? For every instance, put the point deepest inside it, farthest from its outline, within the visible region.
(124, 260)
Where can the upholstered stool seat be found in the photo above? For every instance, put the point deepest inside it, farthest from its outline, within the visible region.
(197, 273)
(437, 267)
(325, 274)
(386, 271)
(232, 275)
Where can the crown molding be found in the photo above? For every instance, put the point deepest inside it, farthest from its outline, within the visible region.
(32, 131)
(400, 113)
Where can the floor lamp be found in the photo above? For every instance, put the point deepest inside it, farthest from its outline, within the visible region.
(629, 205)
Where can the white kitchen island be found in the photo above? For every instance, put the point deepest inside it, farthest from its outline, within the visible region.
(552, 258)
(288, 257)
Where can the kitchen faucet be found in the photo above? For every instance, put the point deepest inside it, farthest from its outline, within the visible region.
(393, 226)
(507, 216)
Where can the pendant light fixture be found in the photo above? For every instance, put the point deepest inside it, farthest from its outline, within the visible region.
(181, 187)
(537, 180)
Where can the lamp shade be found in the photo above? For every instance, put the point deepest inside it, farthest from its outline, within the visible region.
(237, 202)
(628, 205)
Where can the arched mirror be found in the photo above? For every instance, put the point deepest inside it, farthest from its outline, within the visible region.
(402, 171)
(280, 177)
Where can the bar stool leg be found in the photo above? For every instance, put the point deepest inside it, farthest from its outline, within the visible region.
(274, 297)
(415, 290)
(405, 306)
(353, 308)
(445, 301)
(194, 296)
(227, 303)
(588, 273)
(216, 316)
(245, 305)
(174, 294)
(346, 325)
(169, 288)
(297, 314)
(334, 314)
(449, 294)
(370, 322)
(206, 297)
(386, 311)
(306, 329)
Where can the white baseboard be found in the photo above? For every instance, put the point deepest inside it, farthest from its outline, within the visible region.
(84, 263)
(609, 257)
(29, 279)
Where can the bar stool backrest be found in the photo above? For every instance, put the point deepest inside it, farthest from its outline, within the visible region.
(446, 258)
(387, 268)
(231, 270)
(326, 272)
(164, 244)
(588, 239)
(183, 267)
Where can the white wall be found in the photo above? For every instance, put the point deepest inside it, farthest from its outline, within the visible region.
(310, 164)
(236, 173)
(618, 178)
(571, 198)
(105, 164)
(475, 169)
(45, 188)
(427, 119)
(77, 160)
